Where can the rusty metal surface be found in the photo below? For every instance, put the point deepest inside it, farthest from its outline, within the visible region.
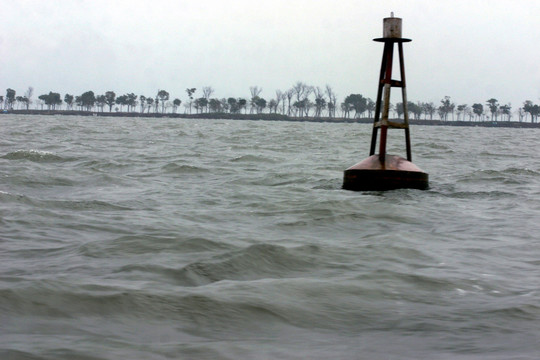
(392, 162)
(395, 173)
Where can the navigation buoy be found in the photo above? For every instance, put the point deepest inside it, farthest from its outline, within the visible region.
(384, 171)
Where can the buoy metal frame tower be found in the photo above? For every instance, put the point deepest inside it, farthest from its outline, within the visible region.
(384, 171)
(392, 36)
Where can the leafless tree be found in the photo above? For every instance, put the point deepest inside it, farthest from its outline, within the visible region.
(302, 92)
(255, 92)
(332, 100)
(207, 92)
(28, 96)
(279, 97)
(320, 101)
(289, 94)
(283, 103)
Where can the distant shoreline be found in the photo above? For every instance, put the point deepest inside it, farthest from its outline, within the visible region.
(270, 117)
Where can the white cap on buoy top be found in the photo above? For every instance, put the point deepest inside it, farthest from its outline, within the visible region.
(392, 27)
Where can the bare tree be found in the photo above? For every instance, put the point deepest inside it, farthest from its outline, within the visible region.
(320, 101)
(332, 100)
(299, 90)
(156, 104)
(28, 96)
(521, 114)
(289, 94)
(142, 99)
(255, 92)
(283, 103)
(302, 92)
(279, 97)
(207, 92)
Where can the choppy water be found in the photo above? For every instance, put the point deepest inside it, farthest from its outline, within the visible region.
(135, 238)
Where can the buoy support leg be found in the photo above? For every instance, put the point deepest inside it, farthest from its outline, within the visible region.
(384, 122)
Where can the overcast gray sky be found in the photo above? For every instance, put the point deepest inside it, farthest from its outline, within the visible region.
(470, 50)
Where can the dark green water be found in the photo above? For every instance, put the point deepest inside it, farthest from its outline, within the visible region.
(204, 239)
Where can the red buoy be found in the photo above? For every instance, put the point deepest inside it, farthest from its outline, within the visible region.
(384, 171)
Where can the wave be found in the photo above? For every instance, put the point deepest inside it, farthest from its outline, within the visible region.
(510, 176)
(255, 262)
(525, 312)
(34, 156)
(261, 261)
(495, 194)
(488, 173)
(85, 205)
(104, 165)
(243, 307)
(148, 244)
(252, 158)
(173, 168)
(59, 300)
(61, 204)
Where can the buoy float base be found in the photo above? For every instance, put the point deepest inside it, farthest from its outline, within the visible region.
(395, 173)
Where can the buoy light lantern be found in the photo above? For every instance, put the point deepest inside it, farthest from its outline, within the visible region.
(384, 171)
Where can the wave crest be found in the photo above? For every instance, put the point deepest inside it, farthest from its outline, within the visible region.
(33, 155)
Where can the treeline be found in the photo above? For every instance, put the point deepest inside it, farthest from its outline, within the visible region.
(301, 100)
